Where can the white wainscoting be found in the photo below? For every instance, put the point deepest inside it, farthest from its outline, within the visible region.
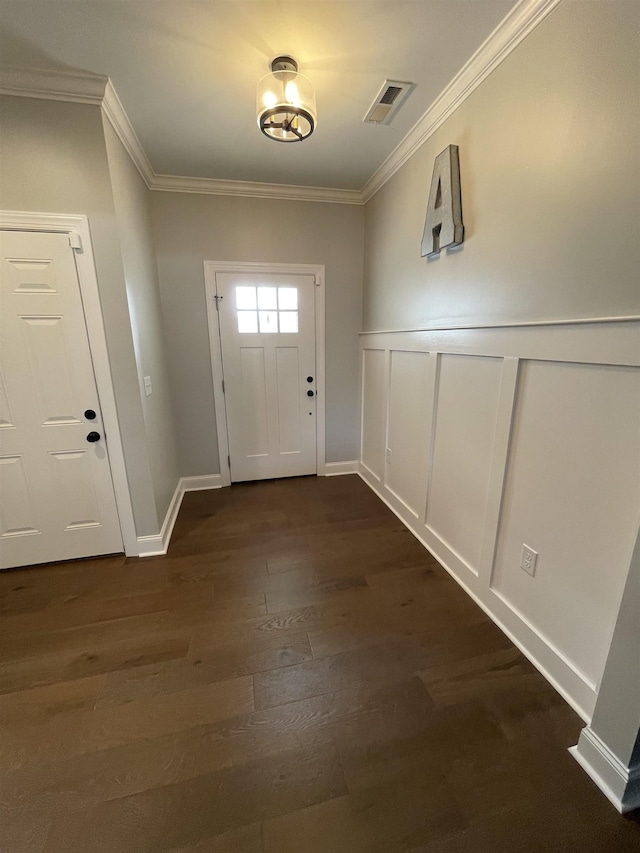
(482, 439)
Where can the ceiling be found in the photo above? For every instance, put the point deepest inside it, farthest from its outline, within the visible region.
(186, 73)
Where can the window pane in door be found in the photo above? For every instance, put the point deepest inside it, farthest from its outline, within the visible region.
(267, 298)
(289, 322)
(247, 322)
(246, 298)
(288, 298)
(268, 321)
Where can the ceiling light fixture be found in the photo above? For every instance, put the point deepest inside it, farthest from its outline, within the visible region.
(286, 102)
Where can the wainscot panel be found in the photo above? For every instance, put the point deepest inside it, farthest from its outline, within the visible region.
(485, 439)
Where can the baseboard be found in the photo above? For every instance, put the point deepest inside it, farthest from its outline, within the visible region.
(545, 659)
(150, 546)
(158, 544)
(335, 469)
(619, 784)
(206, 481)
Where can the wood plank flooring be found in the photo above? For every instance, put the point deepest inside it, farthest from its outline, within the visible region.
(297, 675)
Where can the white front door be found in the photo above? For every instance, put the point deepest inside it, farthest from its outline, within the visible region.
(56, 494)
(267, 333)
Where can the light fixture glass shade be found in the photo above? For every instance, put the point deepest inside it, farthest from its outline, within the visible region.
(286, 105)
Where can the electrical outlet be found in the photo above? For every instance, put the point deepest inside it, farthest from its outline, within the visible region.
(528, 560)
(388, 454)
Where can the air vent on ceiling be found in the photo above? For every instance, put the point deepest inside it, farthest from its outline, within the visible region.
(388, 101)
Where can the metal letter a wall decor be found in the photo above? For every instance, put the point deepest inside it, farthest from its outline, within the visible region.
(443, 226)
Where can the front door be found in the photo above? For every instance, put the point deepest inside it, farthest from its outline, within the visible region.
(56, 494)
(267, 333)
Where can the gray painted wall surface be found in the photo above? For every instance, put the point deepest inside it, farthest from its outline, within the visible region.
(550, 188)
(131, 198)
(190, 229)
(54, 161)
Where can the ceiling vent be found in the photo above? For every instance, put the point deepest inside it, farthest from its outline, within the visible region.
(387, 103)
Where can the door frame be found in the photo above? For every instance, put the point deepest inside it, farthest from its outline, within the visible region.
(215, 347)
(77, 227)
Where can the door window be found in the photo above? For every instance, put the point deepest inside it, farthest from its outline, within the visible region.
(267, 309)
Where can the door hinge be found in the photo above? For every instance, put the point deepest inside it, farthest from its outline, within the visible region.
(223, 386)
(217, 299)
(229, 461)
(75, 241)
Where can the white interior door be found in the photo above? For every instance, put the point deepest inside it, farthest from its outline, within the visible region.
(57, 498)
(267, 333)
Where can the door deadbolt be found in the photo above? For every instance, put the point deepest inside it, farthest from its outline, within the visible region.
(93, 436)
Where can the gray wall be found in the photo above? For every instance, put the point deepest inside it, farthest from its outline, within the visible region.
(54, 161)
(190, 229)
(550, 188)
(131, 198)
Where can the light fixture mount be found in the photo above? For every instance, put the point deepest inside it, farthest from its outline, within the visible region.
(284, 63)
(286, 102)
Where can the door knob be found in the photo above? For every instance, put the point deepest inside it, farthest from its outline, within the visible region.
(93, 436)
(90, 415)
(309, 393)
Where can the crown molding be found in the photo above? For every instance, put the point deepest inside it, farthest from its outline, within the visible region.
(513, 29)
(78, 87)
(73, 86)
(250, 189)
(119, 120)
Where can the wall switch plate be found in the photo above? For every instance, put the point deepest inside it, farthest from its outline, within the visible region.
(528, 560)
(147, 385)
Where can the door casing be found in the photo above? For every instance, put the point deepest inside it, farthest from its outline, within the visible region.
(315, 270)
(79, 225)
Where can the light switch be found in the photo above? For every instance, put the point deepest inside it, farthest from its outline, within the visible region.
(147, 385)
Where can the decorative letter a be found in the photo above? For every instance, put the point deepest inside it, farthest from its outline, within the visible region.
(443, 226)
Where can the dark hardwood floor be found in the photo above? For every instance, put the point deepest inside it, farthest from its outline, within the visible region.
(297, 675)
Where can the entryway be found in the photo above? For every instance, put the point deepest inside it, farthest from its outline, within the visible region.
(268, 368)
(58, 499)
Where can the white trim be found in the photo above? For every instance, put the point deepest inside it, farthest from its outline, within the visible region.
(581, 697)
(525, 324)
(620, 784)
(198, 484)
(499, 461)
(69, 224)
(93, 89)
(597, 343)
(604, 343)
(157, 544)
(515, 27)
(335, 469)
(254, 189)
(315, 270)
(71, 86)
(119, 120)
(150, 546)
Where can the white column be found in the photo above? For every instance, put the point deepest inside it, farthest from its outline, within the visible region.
(609, 748)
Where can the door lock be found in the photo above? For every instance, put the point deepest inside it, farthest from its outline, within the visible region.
(93, 436)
